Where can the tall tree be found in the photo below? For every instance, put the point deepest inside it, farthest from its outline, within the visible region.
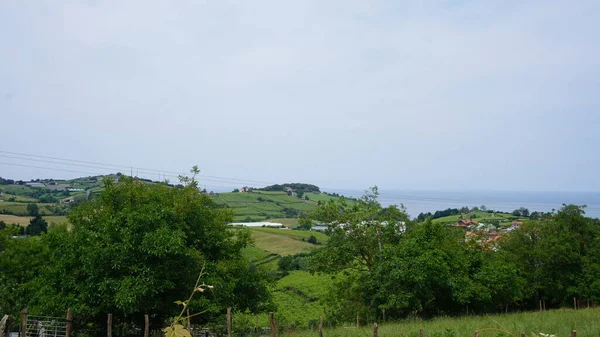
(37, 226)
(138, 247)
(33, 209)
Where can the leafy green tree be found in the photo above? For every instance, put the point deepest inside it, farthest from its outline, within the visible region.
(359, 233)
(556, 256)
(33, 209)
(138, 246)
(36, 226)
(21, 261)
(427, 272)
(313, 239)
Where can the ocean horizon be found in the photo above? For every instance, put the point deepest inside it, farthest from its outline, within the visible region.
(421, 201)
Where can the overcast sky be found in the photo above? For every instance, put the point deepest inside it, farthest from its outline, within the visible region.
(487, 95)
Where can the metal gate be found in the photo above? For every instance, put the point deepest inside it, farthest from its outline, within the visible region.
(44, 326)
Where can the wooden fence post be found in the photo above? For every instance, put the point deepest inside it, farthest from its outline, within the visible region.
(146, 325)
(523, 335)
(421, 334)
(383, 312)
(24, 323)
(228, 322)
(272, 324)
(109, 326)
(374, 329)
(573, 333)
(574, 303)
(69, 323)
(540, 305)
(476, 333)
(544, 305)
(321, 327)
(357, 321)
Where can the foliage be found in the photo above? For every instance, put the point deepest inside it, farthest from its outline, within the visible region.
(522, 211)
(36, 226)
(21, 260)
(294, 262)
(298, 187)
(33, 209)
(135, 247)
(359, 234)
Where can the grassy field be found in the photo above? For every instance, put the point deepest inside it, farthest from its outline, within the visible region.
(298, 300)
(20, 208)
(24, 220)
(263, 205)
(558, 323)
(296, 234)
(479, 217)
(280, 244)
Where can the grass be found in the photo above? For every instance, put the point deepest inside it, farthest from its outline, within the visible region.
(24, 220)
(479, 216)
(296, 234)
(260, 257)
(259, 205)
(298, 300)
(20, 208)
(280, 244)
(554, 322)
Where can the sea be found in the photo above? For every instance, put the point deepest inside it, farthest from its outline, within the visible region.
(420, 201)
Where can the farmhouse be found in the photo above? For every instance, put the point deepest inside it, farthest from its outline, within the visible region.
(465, 223)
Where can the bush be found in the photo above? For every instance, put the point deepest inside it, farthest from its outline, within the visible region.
(313, 239)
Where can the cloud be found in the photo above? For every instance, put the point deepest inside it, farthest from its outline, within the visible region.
(420, 86)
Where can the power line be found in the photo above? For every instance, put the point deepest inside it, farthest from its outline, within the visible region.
(149, 171)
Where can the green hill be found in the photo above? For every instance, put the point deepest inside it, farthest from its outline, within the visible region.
(263, 205)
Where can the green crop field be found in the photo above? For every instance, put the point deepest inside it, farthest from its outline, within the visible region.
(297, 234)
(479, 216)
(319, 197)
(298, 298)
(263, 205)
(24, 220)
(280, 244)
(20, 208)
(557, 323)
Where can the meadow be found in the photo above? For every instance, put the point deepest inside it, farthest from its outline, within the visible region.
(24, 220)
(558, 323)
(479, 216)
(282, 245)
(264, 205)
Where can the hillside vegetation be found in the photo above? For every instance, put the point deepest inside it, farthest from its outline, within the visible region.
(259, 205)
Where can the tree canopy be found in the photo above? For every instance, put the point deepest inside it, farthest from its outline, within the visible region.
(136, 249)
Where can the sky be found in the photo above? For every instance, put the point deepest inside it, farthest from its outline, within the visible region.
(414, 95)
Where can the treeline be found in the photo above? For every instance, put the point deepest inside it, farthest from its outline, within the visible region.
(297, 187)
(519, 212)
(427, 269)
(134, 249)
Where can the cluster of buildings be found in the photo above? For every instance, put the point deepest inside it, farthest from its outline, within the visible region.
(485, 233)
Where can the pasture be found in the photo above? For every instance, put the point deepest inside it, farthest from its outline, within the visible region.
(24, 220)
(280, 244)
(557, 323)
(479, 217)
